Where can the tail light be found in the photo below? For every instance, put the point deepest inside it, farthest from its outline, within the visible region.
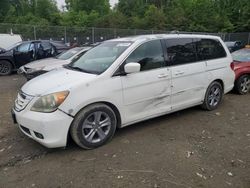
(232, 65)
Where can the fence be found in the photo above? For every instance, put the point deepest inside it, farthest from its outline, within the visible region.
(83, 35)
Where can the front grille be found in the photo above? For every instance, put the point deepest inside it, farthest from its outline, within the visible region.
(22, 101)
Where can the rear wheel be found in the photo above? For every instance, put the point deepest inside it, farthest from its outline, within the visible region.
(93, 126)
(213, 96)
(242, 84)
(5, 67)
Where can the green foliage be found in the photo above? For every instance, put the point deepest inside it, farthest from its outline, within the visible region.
(100, 6)
(182, 15)
(154, 18)
(114, 19)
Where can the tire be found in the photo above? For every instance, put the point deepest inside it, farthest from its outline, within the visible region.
(5, 68)
(213, 96)
(242, 84)
(93, 126)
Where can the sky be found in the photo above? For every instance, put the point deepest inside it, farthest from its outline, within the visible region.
(60, 3)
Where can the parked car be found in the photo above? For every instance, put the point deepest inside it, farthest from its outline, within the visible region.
(24, 52)
(234, 45)
(7, 40)
(39, 67)
(121, 82)
(241, 68)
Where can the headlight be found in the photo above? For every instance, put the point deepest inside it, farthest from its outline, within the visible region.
(50, 102)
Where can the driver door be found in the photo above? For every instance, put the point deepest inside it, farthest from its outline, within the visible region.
(147, 93)
(23, 53)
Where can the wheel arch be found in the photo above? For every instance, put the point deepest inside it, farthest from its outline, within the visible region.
(221, 82)
(10, 61)
(111, 105)
(242, 74)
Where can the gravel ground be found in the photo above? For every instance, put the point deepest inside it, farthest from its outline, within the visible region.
(190, 148)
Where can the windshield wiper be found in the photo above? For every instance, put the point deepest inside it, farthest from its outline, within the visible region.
(78, 69)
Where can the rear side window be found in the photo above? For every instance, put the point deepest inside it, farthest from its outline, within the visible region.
(45, 49)
(46, 45)
(149, 55)
(209, 49)
(180, 51)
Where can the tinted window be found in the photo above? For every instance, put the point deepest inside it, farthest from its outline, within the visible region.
(45, 49)
(209, 49)
(180, 51)
(23, 47)
(149, 55)
(46, 45)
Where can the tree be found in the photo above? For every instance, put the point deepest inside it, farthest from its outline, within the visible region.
(100, 6)
(182, 15)
(155, 18)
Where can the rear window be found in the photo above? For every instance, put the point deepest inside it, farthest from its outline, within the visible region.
(209, 49)
(191, 50)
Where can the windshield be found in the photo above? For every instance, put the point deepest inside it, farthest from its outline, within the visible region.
(241, 55)
(101, 57)
(68, 54)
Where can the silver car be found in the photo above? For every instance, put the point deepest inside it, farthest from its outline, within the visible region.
(39, 67)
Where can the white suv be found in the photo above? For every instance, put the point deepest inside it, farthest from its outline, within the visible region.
(121, 82)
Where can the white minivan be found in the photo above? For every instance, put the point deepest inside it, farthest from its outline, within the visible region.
(121, 82)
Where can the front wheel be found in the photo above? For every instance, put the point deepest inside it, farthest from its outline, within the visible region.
(93, 126)
(5, 67)
(242, 84)
(213, 96)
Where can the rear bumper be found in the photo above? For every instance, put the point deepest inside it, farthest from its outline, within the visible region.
(49, 129)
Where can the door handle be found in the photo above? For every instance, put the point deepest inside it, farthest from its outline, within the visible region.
(179, 73)
(162, 75)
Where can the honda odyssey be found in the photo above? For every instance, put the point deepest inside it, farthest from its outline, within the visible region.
(121, 82)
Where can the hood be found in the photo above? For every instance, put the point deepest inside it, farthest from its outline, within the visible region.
(56, 65)
(42, 63)
(57, 80)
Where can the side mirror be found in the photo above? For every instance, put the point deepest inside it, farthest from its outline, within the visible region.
(132, 68)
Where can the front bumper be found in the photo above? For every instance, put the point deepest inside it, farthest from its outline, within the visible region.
(26, 72)
(32, 75)
(49, 129)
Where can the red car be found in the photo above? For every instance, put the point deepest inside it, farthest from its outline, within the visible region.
(241, 67)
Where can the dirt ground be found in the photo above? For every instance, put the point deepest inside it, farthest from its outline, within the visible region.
(191, 148)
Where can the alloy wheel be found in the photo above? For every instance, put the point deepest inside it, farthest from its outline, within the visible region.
(4, 68)
(245, 84)
(96, 127)
(214, 96)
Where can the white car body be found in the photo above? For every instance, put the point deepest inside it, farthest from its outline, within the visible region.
(7, 40)
(137, 96)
